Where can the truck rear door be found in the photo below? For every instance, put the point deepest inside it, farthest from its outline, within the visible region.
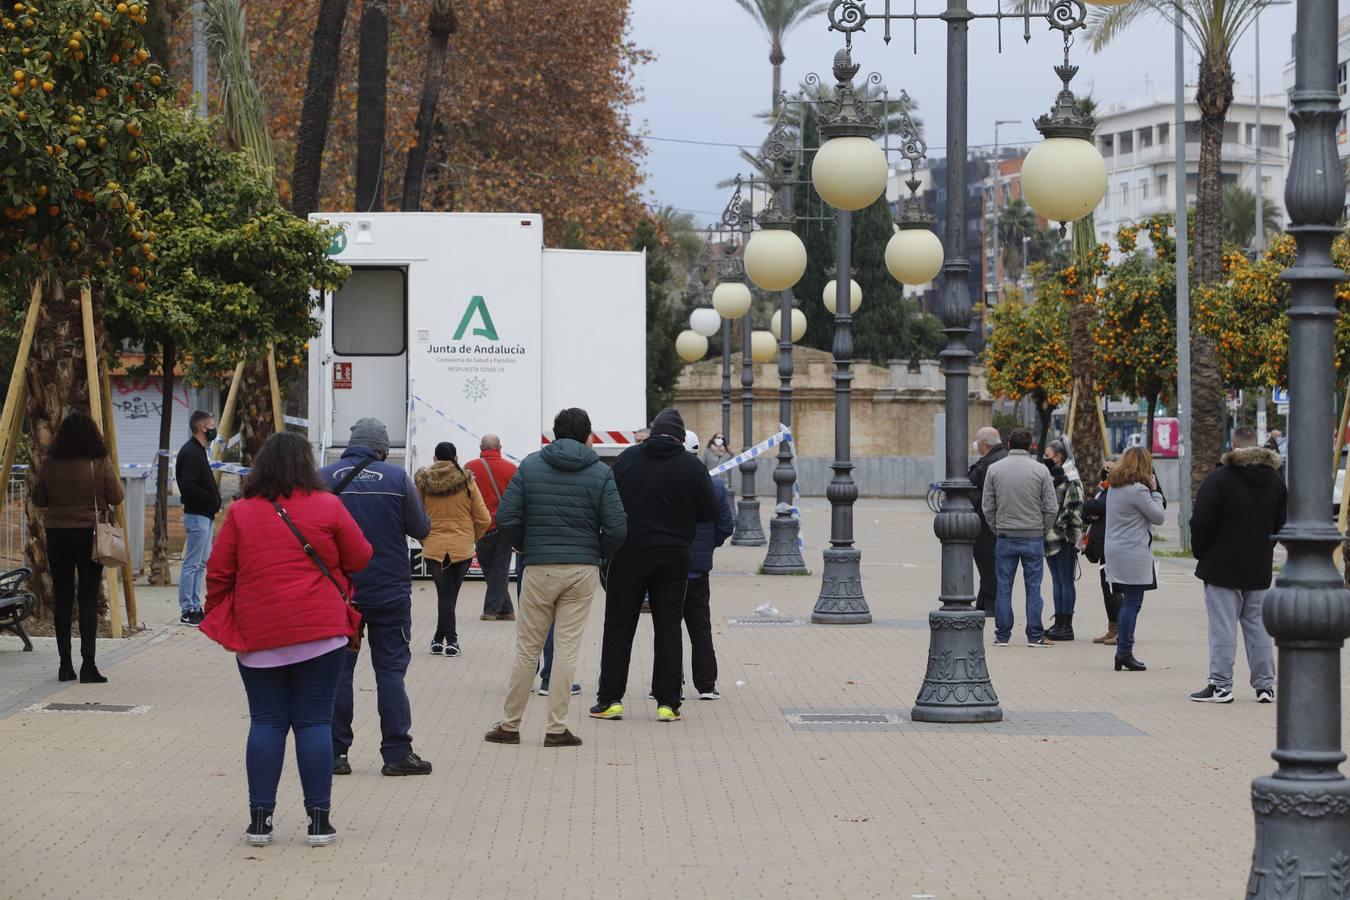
(368, 369)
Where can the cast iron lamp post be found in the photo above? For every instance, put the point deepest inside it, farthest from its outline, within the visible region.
(956, 685)
(1303, 809)
(748, 532)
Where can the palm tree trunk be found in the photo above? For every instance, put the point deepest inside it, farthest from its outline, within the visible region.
(440, 25)
(776, 59)
(1214, 97)
(57, 382)
(159, 553)
(372, 79)
(1152, 399)
(317, 111)
(1043, 411)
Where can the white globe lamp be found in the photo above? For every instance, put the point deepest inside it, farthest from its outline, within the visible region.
(704, 321)
(691, 346)
(914, 255)
(775, 259)
(831, 296)
(732, 299)
(850, 172)
(1064, 178)
(798, 325)
(763, 347)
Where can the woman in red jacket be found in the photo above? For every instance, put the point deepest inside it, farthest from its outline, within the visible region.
(283, 612)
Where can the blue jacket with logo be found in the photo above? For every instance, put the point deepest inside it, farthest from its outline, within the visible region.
(711, 535)
(384, 502)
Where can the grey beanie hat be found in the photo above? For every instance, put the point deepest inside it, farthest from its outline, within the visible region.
(370, 433)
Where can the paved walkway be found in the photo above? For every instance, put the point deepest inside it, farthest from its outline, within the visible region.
(1097, 784)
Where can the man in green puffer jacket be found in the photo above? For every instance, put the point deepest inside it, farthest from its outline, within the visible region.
(562, 511)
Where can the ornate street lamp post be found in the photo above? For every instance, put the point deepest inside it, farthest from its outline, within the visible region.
(956, 685)
(1303, 809)
(748, 532)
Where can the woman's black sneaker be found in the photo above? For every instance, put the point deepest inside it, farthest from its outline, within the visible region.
(321, 832)
(259, 832)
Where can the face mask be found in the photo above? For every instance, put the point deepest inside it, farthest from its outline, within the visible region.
(211, 435)
(975, 445)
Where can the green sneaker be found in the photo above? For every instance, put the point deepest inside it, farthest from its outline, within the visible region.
(612, 711)
(666, 714)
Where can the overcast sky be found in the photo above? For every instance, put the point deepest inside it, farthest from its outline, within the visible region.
(712, 75)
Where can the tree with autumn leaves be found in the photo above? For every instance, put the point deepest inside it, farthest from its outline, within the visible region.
(1027, 354)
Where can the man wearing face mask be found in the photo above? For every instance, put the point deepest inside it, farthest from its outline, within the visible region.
(201, 501)
(989, 448)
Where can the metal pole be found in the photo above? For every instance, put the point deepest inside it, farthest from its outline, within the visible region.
(956, 685)
(726, 381)
(1183, 288)
(841, 600)
(748, 532)
(784, 556)
(199, 63)
(1303, 810)
(1259, 242)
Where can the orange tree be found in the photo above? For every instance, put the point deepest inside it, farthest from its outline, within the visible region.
(1136, 333)
(1027, 354)
(1246, 315)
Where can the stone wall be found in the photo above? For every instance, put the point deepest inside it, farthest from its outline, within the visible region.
(892, 421)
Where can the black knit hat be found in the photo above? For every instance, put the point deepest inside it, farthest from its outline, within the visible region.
(669, 423)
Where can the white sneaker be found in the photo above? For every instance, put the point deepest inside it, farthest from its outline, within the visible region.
(710, 695)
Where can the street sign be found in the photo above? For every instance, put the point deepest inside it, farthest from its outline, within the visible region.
(1280, 396)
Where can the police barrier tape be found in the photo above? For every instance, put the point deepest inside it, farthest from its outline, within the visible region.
(784, 436)
(414, 399)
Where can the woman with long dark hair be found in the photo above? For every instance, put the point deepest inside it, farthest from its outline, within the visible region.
(1134, 504)
(458, 519)
(277, 590)
(76, 483)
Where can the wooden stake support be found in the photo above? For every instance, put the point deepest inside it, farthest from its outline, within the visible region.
(96, 412)
(11, 418)
(110, 433)
(278, 413)
(227, 418)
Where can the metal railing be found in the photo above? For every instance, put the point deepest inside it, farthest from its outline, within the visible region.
(14, 519)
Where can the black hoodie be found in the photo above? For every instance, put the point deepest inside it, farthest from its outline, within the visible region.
(1239, 508)
(666, 492)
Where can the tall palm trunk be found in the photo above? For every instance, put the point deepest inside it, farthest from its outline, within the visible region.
(372, 77)
(1084, 431)
(776, 59)
(159, 553)
(1214, 97)
(440, 25)
(317, 111)
(57, 383)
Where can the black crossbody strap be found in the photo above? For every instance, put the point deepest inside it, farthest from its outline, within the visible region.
(309, 549)
(348, 478)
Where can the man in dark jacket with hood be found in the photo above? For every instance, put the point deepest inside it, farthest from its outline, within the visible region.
(562, 510)
(1239, 508)
(989, 445)
(383, 501)
(666, 493)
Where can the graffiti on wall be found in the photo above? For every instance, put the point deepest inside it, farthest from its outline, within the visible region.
(143, 398)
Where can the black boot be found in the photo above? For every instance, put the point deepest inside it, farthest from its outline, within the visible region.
(1063, 628)
(259, 831)
(89, 674)
(1127, 662)
(321, 833)
(67, 670)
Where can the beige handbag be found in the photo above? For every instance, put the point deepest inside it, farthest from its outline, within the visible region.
(110, 542)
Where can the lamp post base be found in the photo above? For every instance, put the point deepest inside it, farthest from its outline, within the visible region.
(748, 531)
(784, 556)
(956, 687)
(841, 600)
(1302, 838)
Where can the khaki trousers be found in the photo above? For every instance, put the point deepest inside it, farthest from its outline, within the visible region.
(558, 595)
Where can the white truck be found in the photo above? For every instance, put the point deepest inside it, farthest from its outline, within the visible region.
(454, 325)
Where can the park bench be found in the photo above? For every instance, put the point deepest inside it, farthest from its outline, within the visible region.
(16, 604)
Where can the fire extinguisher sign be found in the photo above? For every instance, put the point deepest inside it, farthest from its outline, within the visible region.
(342, 376)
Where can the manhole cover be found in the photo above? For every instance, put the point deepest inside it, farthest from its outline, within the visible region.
(766, 620)
(89, 708)
(844, 719)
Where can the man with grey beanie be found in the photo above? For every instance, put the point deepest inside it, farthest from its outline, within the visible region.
(384, 502)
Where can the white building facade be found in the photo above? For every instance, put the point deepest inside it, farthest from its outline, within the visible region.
(1136, 140)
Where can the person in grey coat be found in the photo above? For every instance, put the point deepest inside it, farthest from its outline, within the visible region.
(1020, 506)
(1134, 504)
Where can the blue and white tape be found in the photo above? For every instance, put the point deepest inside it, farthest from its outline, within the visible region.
(784, 436)
(414, 399)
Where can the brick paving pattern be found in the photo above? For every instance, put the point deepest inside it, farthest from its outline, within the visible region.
(1097, 784)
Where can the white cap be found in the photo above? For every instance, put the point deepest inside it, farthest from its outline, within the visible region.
(691, 441)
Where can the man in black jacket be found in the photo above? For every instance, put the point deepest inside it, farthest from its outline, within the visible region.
(201, 501)
(1239, 508)
(989, 444)
(666, 493)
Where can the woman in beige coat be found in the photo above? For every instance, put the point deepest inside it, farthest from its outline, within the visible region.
(458, 519)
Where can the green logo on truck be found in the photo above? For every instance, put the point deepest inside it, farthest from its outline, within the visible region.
(487, 330)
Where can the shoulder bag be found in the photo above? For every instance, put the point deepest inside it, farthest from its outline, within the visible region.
(353, 616)
(110, 541)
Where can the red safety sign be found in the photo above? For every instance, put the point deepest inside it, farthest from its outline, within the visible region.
(342, 376)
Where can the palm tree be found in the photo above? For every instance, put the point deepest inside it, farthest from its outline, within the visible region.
(1213, 28)
(1239, 216)
(245, 111)
(682, 235)
(777, 18)
(317, 110)
(1016, 221)
(440, 25)
(372, 88)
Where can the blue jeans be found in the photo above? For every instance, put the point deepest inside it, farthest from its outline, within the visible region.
(1062, 570)
(1129, 614)
(298, 698)
(1008, 552)
(388, 630)
(196, 550)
